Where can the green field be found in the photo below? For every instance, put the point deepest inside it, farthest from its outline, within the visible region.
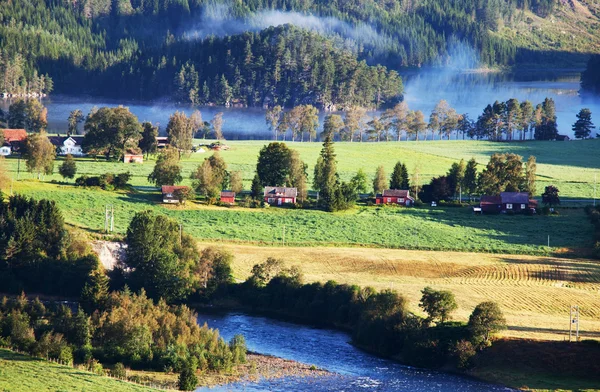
(23, 373)
(569, 165)
(416, 228)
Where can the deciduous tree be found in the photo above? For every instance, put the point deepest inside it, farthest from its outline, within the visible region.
(379, 182)
(438, 304)
(486, 319)
(40, 154)
(167, 170)
(273, 166)
(68, 168)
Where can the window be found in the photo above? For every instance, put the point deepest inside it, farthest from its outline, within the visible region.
(389, 199)
(523, 206)
(509, 206)
(401, 200)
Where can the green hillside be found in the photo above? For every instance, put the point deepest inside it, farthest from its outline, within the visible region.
(20, 373)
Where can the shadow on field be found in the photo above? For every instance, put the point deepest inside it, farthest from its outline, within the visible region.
(12, 356)
(140, 197)
(564, 230)
(565, 332)
(584, 271)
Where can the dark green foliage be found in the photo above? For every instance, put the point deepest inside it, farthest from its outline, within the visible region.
(583, 127)
(546, 128)
(437, 190)
(438, 304)
(68, 168)
(594, 213)
(111, 132)
(95, 291)
(399, 179)
(119, 371)
(590, 78)
(130, 330)
(257, 188)
(359, 182)
(35, 250)
(187, 379)
(167, 170)
(273, 166)
(148, 143)
(211, 177)
(486, 319)
(503, 173)
(107, 181)
(163, 258)
(333, 194)
(214, 271)
(470, 179)
(550, 196)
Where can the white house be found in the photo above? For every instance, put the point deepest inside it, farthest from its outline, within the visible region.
(67, 144)
(5, 150)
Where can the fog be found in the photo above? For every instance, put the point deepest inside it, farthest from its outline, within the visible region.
(218, 20)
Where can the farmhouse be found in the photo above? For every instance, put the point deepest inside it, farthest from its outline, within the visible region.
(14, 139)
(518, 202)
(278, 195)
(67, 144)
(395, 196)
(228, 197)
(168, 193)
(162, 142)
(133, 158)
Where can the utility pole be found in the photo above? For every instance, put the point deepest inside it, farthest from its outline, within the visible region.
(574, 319)
(19, 167)
(460, 194)
(595, 176)
(109, 218)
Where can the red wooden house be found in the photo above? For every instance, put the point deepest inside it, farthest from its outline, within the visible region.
(517, 202)
(228, 197)
(395, 196)
(168, 193)
(278, 195)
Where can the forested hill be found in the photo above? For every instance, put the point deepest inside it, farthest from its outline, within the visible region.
(145, 49)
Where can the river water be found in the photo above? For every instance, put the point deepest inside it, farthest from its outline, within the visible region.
(467, 92)
(355, 370)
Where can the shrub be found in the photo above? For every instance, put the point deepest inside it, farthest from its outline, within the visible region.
(187, 379)
(463, 352)
(119, 371)
(486, 319)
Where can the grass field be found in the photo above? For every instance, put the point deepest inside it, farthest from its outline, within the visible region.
(568, 165)
(389, 227)
(20, 373)
(535, 292)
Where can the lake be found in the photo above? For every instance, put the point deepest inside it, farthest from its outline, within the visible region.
(355, 370)
(467, 92)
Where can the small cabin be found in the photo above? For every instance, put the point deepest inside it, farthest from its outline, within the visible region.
(279, 195)
(227, 197)
(168, 193)
(133, 158)
(514, 202)
(395, 196)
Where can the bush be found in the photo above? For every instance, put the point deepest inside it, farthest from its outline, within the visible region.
(187, 379)
(107, 181)
(463, 352)
(119, 371)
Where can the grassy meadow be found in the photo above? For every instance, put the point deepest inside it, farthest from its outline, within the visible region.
(21, 373)
(569, 165)
(534, 292)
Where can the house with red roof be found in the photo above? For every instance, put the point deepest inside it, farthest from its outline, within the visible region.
(515, 202)
(168, 193)
(14, 140)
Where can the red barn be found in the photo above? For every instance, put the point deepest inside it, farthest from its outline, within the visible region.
(395, 196)
(228, 197)
(517, 202)
(278, 195)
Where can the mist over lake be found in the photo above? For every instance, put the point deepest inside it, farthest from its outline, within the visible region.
(467, 92)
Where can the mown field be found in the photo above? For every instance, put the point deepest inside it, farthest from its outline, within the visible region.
(568, 165)
(535, 292)
(20, 373)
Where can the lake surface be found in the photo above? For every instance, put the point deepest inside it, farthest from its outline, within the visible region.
(328, 349)
(466, 92)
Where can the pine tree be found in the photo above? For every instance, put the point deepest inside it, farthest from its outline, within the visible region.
(396, 179)
(530, 169)
(257, 188)
(326, 178)
(583, 127)
(470, 179)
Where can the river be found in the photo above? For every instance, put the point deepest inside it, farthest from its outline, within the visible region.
(467, 92)
(328, 349)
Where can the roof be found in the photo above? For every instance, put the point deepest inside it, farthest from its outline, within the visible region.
(515, 197)
(227, 194)
(15, 135)
(281, 191)
(396, 193)
(486, 199)
(60, 140)
(171, 188)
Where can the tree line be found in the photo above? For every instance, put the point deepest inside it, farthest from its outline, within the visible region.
(104, 47)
